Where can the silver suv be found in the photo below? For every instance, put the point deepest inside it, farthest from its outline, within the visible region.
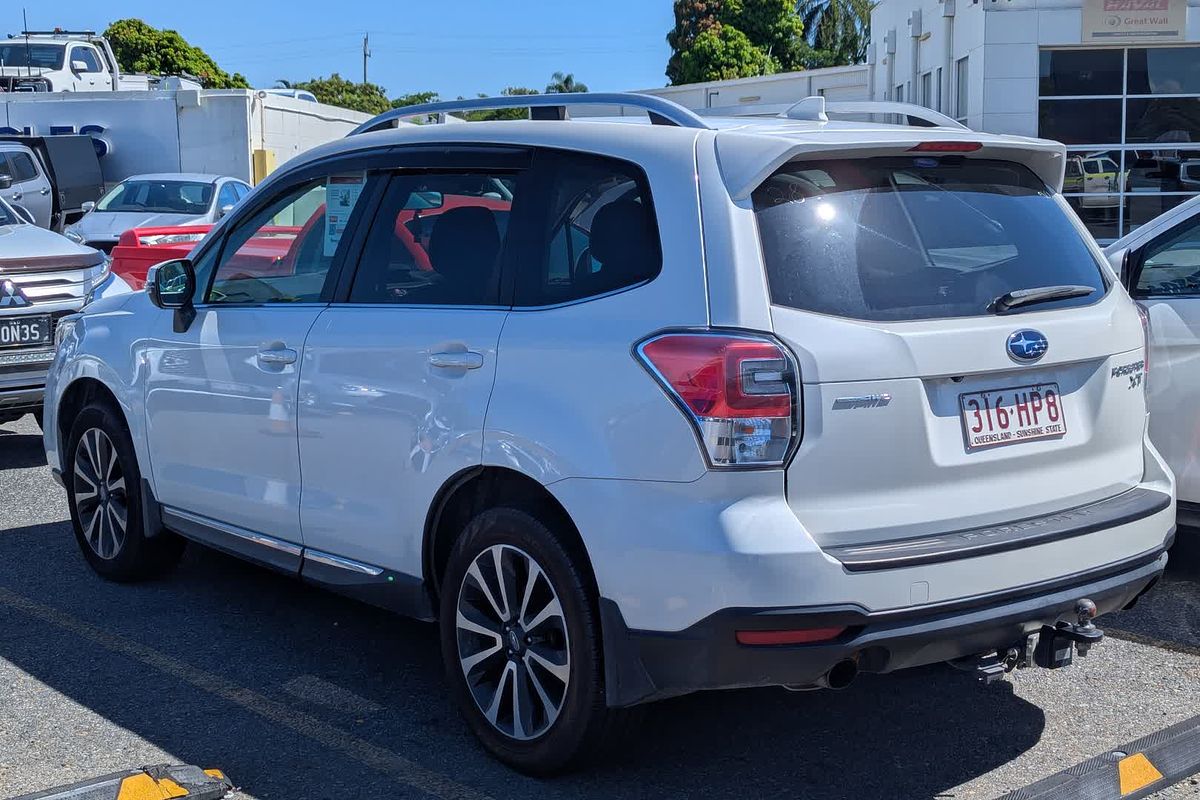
(637, 407)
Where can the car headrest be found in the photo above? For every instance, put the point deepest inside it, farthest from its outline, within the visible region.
(622, 237)
(464, 245)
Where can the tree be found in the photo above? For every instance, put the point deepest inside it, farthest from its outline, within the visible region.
(564, 83)
(142, 48)
(839, 31)
(502, 113)
(722, 53)
(335, 90)
(722, 39)
(414, 99)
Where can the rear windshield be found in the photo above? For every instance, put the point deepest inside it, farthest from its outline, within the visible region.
(916, 238)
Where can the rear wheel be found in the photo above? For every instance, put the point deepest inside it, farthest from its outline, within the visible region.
(521, 644)
(104, 492)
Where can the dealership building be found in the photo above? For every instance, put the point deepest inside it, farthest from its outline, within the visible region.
(1117, 81)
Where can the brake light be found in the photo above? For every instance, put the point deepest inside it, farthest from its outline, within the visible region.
(800, 636)
(740, 392)
(946, 147)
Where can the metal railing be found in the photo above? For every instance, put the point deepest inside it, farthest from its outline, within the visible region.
(541, 106)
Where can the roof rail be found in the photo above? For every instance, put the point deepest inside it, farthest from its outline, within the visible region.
(815, 108)
(56, 32)
(543, 106)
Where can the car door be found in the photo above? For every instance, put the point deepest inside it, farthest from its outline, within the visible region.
(30, 186)
(87, 77)
(227, 198)
(221, 396)
(398, 374)
(1164, 277)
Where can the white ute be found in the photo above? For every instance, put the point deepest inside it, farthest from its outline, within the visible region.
(638, 407)
(68, 61)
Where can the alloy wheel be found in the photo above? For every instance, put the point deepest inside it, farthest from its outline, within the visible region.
(513, 645)
(101, 497)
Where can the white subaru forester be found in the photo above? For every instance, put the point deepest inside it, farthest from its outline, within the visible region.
(634, 410)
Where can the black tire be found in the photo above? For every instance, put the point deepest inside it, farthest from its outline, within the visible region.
(114, 554)
(584, 727)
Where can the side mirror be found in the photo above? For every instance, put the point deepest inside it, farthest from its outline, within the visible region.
(87, 205)
(24, 213)
(5, 181)
(172, 284)
(78, 65)
(223, 210)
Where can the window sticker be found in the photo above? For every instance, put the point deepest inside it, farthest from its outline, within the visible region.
(341, 194)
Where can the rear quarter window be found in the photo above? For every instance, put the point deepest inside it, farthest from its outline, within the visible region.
(909, 238)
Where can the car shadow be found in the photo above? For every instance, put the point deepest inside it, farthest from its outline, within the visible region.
(1170, 612)
(19, 450)
(159, 660)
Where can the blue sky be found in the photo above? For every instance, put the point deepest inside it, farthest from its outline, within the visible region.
(454, 47)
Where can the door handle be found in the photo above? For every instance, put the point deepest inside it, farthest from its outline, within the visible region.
(468, 360)
(278, 357)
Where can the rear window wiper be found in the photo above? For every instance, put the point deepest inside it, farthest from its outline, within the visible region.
(1042, 294)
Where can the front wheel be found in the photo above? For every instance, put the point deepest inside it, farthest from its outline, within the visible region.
(104, 493)
(521, 645)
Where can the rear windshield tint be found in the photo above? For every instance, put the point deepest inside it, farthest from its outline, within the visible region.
(916, 238)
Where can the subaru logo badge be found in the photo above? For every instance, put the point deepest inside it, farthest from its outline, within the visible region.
(1027, 346)
(11, 296)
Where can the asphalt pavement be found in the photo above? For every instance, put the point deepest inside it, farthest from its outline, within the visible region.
(299, 694)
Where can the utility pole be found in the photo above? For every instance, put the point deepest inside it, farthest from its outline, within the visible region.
(366, 54)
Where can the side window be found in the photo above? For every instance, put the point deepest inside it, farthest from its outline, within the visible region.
(241, 189)
(600, 232)
(22, 167)
(1171, 263)
(88, 56)
(437, 239)
(282, 254)
(228, 196)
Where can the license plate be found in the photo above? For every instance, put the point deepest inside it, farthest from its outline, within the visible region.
(1011, 416)
(25, 331)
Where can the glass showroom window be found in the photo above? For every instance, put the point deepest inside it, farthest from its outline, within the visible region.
(1131, 120)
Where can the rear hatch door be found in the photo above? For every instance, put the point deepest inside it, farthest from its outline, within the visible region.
(938, 393)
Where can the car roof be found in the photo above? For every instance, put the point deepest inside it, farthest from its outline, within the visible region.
(751, 148)
(198, 177)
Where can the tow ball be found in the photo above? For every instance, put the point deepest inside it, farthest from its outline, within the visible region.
(1053, 647)
(1057, 644)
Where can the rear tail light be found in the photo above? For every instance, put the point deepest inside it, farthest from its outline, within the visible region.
(740, 391)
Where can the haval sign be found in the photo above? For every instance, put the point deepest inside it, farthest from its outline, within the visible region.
(1119, 21)
(99, 140)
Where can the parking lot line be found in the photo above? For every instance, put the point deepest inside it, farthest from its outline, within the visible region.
(377, 758)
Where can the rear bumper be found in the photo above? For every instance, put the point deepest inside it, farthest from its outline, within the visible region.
(650, 665)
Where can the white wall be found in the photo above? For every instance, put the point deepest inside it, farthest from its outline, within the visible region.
(836, 83)
(1001, 39)
(180, 131)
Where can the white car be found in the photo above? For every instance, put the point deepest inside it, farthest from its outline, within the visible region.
(1160, 264)
(165, 199)
(634, 410)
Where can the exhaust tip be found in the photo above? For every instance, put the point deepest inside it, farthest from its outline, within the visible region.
(842, 674)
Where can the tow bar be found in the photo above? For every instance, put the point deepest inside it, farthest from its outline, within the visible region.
(1052, 647)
